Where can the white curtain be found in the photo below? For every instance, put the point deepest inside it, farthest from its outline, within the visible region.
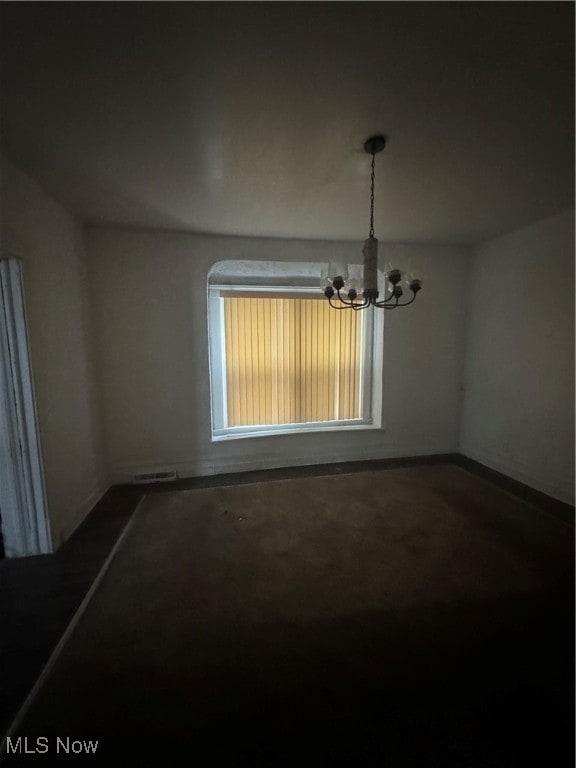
(25, 526)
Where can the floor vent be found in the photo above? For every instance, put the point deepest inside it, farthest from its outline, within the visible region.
(155, 477)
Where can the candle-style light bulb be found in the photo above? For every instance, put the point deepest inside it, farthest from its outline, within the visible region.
(394, 276)
(338, 269)
(412, 282)
(354, 281)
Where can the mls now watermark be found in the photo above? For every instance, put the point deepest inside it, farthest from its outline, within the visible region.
(42, 745)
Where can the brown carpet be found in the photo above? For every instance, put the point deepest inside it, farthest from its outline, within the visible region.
(400, 617)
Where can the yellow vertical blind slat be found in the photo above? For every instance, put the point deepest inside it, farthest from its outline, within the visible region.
(290, 361)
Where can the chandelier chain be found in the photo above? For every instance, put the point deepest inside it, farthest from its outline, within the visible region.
(372, 197)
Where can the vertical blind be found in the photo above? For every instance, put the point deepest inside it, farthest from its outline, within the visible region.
(291, 361)
(22, 495)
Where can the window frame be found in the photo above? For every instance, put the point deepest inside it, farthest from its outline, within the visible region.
(371, 370)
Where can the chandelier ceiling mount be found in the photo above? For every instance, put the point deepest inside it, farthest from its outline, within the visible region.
(374, 144)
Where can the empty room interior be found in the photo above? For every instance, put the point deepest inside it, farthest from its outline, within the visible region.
(287, 383)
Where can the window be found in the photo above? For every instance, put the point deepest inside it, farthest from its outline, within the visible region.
(282, 360)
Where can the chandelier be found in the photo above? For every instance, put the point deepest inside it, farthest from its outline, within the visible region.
(344, 292)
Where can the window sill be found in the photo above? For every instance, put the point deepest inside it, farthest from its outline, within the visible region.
(240, 433)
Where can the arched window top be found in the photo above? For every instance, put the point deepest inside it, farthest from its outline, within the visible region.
(281, 273)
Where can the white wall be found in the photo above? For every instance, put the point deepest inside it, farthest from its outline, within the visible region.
(149, 294)
(49, 242)
(518, 410)
(139, 301)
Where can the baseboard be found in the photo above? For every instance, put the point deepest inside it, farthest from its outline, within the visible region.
(326, 468)
(558, 487)
(122, 475)
(560, 509)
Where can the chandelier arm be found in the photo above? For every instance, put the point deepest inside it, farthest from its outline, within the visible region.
(383, 305)
(384, 302)
(349, 302)
(405, 304)
(344, 301)
(342, 306)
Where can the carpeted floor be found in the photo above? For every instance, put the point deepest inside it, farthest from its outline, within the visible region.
(415, 616)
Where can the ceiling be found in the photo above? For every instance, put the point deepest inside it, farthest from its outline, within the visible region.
(250, 118)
